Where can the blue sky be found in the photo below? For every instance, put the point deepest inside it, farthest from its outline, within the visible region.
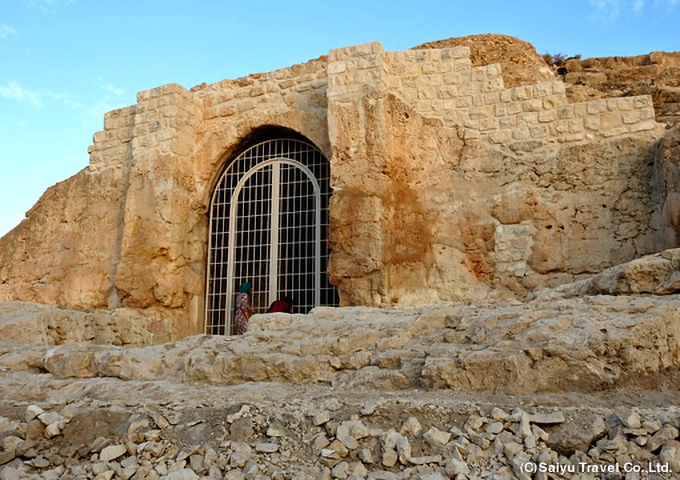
(64, 63)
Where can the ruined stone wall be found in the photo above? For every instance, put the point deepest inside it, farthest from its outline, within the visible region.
(446, 186)
(466, 185)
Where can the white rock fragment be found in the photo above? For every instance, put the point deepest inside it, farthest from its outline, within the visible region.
(456, 467)
(48, 418)
(32, 411)
(411, 427)
(183, 474)
(112, 452)
(436, 438)
(266, 447)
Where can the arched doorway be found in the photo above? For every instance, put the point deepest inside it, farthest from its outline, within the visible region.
(269, 226)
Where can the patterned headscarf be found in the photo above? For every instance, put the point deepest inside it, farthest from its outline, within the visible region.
(245, 287)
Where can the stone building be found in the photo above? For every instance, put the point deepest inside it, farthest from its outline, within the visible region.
(364, 177)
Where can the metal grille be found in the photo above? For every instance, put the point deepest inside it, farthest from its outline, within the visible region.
(269, 226)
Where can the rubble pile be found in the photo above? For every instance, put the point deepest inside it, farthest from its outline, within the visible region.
(327, 438)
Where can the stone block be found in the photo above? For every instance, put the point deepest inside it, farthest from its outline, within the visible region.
(491, 98)
(630, 117)
(522, 93)
(533, 105)
(547, 116)
(642, 126)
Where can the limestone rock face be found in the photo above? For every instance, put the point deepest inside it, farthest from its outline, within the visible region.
(555, 343)
(37, 324)
(668, 177)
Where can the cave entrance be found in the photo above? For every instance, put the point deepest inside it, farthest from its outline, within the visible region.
(268, 222)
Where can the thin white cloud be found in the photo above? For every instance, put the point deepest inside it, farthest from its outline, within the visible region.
(111, 89)
(65, 98)
(607, 11)
(47, 5)
(13, 91)
(6, 30)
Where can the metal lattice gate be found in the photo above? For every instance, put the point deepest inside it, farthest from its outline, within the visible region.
(269, 226)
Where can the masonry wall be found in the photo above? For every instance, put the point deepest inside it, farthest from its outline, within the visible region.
(478, 190)
(447, 186)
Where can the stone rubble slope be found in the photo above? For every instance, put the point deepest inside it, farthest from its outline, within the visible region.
(327, 436)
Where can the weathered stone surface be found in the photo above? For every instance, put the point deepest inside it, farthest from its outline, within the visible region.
(39, 324)
(577, 434)
(550, 344)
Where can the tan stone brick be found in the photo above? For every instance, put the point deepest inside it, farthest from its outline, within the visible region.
(488, 123)
(506, 96)
(592, 122)
(596, 106)
(547, 116)
(491, 98)
(642, 102)
(542, 89)
(625, 104)
(427, 93)
(554, 101)
(462, 64)
(448, 91)
(493, 85)
(540, 131)
(614, 131)
(470, 134)
(429, 68)
(464, 102)
(472, 123)
(533, 105)
(646, 125)
(501, 136)
(521, 93)
(452, 78)
(528, 119)
(514, 108)
(559, 88)
(500, 110)
(481, 112)
(333, 69)
(565, 112)
(581, 110)
(460, 52)
(575, 125)
(506, 122)
(631, 117)
(572, 137)
(610, 120)
(612, 104)
(521, 134)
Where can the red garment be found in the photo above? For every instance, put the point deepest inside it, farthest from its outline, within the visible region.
(279, 306)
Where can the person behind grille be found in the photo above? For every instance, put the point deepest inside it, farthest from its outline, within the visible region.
(285, 305)
(243, 310)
